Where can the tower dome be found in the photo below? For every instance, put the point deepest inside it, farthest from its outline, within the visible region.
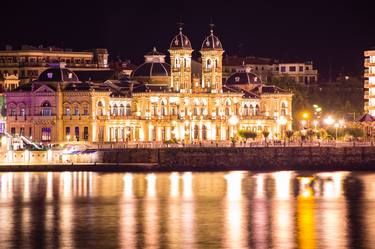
(212, 42)
(180, 41)
(154, 65)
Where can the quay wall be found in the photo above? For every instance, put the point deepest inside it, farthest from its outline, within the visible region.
(256, 158)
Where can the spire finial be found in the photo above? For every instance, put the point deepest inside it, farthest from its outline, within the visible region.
(211, 25)
(180, 25)
(154, 49)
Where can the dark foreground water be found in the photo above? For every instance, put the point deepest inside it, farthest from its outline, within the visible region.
(187, 210)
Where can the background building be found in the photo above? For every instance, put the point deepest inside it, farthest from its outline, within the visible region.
(29, 62)
(270, 69)
(369, 86)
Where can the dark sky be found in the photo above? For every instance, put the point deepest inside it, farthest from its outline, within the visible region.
(322, 31)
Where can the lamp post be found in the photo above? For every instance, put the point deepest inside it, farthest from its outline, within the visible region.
(315, 122)
(282, 122)
(336, 125)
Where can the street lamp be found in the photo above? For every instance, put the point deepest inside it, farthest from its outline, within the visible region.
(336, 125)
(282, 121)
(329, 120)
(315, 122)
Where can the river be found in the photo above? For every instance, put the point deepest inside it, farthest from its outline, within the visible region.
(236, 209)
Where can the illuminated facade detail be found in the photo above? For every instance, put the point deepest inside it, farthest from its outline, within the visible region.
(212, 54)
(158, 103)
(369, 82)
(180, 53)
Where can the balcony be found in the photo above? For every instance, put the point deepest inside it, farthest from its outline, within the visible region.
(369, 63)
(366, 94)
(369, 73)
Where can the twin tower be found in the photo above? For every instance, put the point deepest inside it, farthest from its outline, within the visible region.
(181, 75)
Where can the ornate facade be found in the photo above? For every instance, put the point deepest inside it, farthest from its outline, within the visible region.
(160, 102)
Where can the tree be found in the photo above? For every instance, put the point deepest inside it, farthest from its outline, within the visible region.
(265, 134)
(289, 134)
(310, 134)
(246, 134)
(355, 132)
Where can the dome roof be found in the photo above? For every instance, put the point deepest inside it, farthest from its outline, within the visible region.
(58, 74)
(154, 65)
(211, 42)
(243, 78)
(149, 69)
(180, 41)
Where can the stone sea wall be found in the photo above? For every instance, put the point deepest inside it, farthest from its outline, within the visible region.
(262, 158)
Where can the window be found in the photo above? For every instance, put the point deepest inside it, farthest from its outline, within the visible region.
(13, 112)
(301, 68)
(163, 109)
(67, 132)
(292, 69)
(196, 132)
(46, 134)
(282, 69)
(76, 111)
(283, 109)
(30, 131)
(122, 110)
(227, 108)
(76, 133)
(128, 110)
(22, 131)
(13, 131)
(204, 132)
(22, 112)
(46, 109)
(86, 133)
(100, 111)
(67, 111)
(208, 64)
(85, 111)
(115, 110)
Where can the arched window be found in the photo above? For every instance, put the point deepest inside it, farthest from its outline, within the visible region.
(115, 110)
(283, 110)
(196, 132)
(245, 110)
(208, 63)
(122, 110)
(100, 109)
(76, 110)
(256, 110)
(46, 108)
(46, 134)
(163, 109)
(128, 110)
(227, 108)
(204, 132)
(67, 110)
(177, 62)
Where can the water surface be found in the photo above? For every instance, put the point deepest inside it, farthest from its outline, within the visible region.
(187, 210)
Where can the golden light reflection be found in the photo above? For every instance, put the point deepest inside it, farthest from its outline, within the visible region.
(67, 183)
(282, 184)
(187, 179)
(235, 232)
(305, 215)
(128, 185)
(151, 224)
(259, 193)
(6, 185)
(332, 184)
(49, 186)
(151, 185)
(128, 209)
(174, 186)
(26, 186)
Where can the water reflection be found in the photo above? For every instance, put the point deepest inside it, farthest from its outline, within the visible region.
(187, 210)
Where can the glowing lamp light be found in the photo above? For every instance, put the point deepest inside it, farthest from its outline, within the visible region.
(282, 120)
(233, 120)
(303, 122)
(305, 115)
(329, 120)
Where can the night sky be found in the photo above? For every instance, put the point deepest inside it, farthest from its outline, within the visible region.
(326, 32)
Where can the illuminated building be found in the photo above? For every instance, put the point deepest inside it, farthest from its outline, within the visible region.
(29, 62)
(160, 102)
(370, 82)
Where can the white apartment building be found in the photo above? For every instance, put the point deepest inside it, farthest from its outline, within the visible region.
(303, 73)
(369, 93)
